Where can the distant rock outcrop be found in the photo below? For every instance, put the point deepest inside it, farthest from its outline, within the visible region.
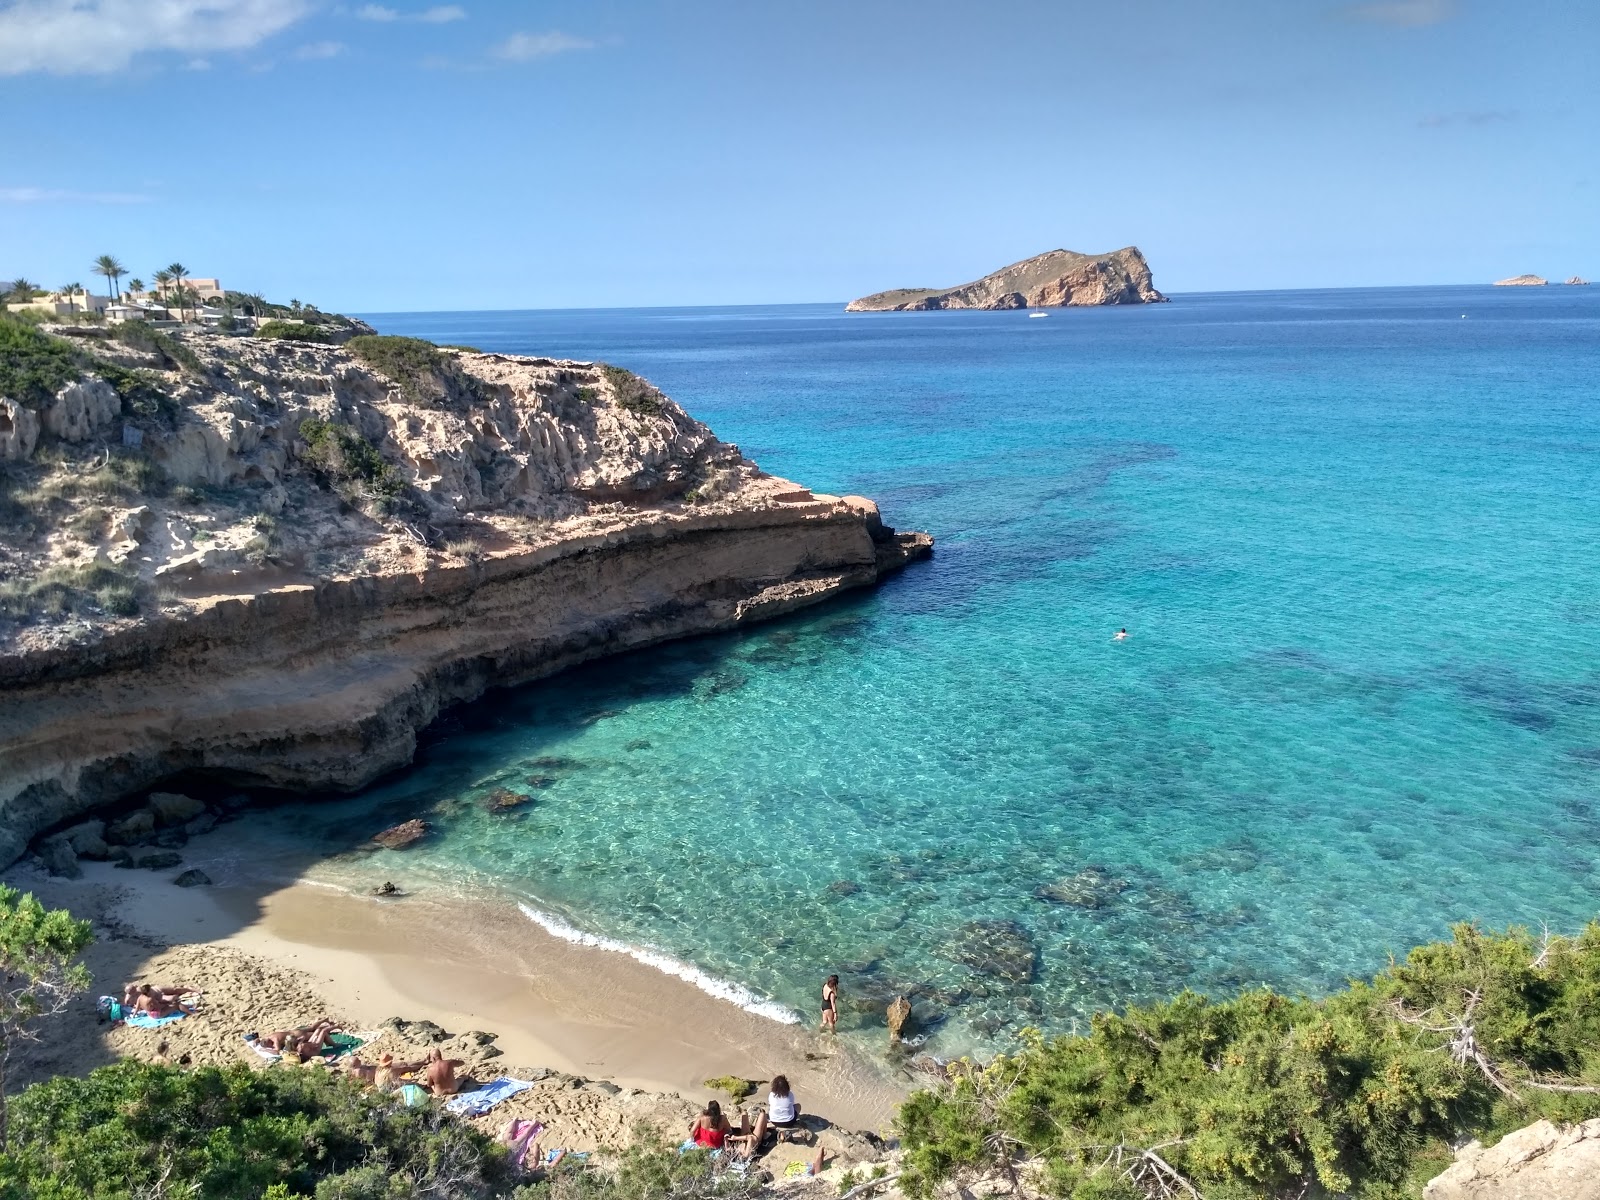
(1055, 279)
(1577, 282)
(1521, 281)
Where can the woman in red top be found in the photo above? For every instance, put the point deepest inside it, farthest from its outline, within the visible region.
(710, 1128)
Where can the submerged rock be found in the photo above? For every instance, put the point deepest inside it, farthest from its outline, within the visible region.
(398, 837)
(386, 889)
(1092, 887)
(996, 949)
(160, 860)
(503, 800)
(843, 887)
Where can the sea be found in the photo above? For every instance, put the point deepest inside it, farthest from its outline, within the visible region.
(1353, 537)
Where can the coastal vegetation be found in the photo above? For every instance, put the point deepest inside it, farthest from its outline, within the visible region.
(1361, 1093)
(422, 370)
(294, 331)
(632, 393)
(348, 463)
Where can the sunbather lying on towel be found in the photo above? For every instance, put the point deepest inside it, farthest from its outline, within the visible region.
(167, 995)
(304, 1043)
(158, 1002)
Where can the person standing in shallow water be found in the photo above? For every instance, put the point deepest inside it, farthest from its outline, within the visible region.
(830, 1004)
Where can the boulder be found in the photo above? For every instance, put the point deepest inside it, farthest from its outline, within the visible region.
(169, 839)
(204, 823)
(88, 839)
(1539, 1162)
(171, 808)
(160, 860)
(504, 800)
(131, 829)
(899, 1013)
(398, 837)
(122, 857)
(59, 857)
(387, 889)
(996, 949)
(81, 410)
(193, 877)
(19, 431)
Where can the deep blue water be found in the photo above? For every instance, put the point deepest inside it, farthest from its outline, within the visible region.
(1353, 538)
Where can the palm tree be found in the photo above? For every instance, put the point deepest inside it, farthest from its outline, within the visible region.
(21, 291)
(71, 293)
(108, 266)
(135, 286)
(177, 270)
(163, 281)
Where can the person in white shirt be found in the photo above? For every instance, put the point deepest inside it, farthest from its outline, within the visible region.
(782, 1115)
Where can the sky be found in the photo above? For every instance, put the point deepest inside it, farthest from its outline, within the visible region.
(605, 153)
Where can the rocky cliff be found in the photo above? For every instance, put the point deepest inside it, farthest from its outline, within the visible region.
(1052, 280)
(271, 563)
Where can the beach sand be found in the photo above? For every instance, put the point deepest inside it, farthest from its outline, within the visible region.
(627, 1042)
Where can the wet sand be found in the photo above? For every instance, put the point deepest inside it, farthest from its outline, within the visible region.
(481, 965)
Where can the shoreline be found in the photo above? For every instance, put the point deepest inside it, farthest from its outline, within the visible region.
(469, 964)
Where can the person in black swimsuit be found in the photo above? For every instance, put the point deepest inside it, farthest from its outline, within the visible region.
(830, 1004)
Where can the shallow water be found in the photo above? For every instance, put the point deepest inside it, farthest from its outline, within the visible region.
(1351, 535)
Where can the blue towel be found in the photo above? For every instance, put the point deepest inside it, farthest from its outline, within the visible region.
(145, 1021)
(475, 1104)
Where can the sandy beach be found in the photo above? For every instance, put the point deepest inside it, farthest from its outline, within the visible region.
(271, 953)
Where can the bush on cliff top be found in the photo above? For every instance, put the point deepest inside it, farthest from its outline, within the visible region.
(424, 373)
(294, 331)
(135, 1128)
(1360, 1092)
(34, 366)
(632, 393)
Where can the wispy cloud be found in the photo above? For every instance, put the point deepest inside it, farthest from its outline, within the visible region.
(98, 37)
(1491, 117)
(1402, 14)
(312, 51)
(37, 195)
(526, 47)
(439, 14)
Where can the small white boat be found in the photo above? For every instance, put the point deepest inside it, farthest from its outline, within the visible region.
(1031, 316)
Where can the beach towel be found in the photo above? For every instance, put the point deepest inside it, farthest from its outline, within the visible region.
(269, 1055)
(141, 1020)
(520, 1136)
(414, 1096)
(342, 1043)
(475, 1104)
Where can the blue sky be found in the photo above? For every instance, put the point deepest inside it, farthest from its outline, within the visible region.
(522, 154)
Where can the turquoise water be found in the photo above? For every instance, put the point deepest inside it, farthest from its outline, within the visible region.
(1352, 536)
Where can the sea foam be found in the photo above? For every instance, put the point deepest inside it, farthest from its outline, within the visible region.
(722, 989)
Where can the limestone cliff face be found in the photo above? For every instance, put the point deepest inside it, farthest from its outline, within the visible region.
(1539, 1162)
(1056, 279)
(306, 601)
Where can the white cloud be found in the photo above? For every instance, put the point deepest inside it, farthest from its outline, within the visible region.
(35, 195)
(525, 47)
(1404, 14)
(315, 50)
(98, 37)
(440, 14)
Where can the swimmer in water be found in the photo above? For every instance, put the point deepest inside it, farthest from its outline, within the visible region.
(1121, 635)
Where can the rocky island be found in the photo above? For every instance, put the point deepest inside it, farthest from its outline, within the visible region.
(270, 561)
(1522, 281)
(1055, 279)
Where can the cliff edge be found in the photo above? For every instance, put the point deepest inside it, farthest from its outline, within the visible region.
(1055, 279)
(270, 563)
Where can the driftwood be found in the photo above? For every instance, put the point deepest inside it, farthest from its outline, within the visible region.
(862, 1189)
(1146, 1170)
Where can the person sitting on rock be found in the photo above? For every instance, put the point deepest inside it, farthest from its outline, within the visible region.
(782, 1114)
(710, 1129)
(440, 1075)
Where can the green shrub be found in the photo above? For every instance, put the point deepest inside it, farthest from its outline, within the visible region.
(294, 331)
(423, 372)
(141, 394)
(141, 335)
(135, 1129)
(1359, 1093)
(348, 463)
(468, 549)
(649, 1170)
(35, 366)
(632, 393)
(70, 587)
